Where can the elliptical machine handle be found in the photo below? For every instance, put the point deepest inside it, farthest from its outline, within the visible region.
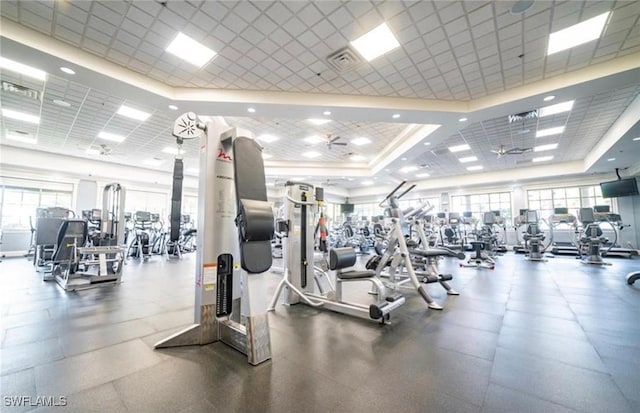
(392, 193)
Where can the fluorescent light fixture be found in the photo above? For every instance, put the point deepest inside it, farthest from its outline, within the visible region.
(357, 158)
(475, 168)
(548, 132)
(376, 42)
(548, 98)
(319, 121)
(542, 159)
(611, 159)
(111, 137)
(548, 147)
(403, 159)
(25, 117)
(409, 169)
(360, 141)
(21, 137)
(92, 151)
(311, 154)
(190, 50)
(132, 113)
(326, 113)
(554, 109)
(314, 139)
(251, 110)
(62, 103)
(459, 148)
(194, 171)
(427, 143)
(636, 139)
(21, 69)
(577, 34)
(367, 183)
(173, 107)
(172, 150)
(468, 159)
(266, 155)
(462, 120)
(153, 162)
(396, 115)
(68, 70)
(267, 138)
(422, 175)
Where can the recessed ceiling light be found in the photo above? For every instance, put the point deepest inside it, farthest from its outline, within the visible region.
(409, 169)
(111, 137)
(23, 137)
(611, 159)
(422, 175)
(548, 98)
(459, 148)
(68, 70)
(360, 141)
(554, 109)
(62, 103)
(173, 107)
(311, 154)
(326, 113)
(550, 131)
(92, 151)
(357, 158)
(314, 139)
(266, 155)
(462, 120)
(190, 50)
(132, 113)
(251, 110)
(367, 183)
(636, 139)
(319, 121)
(577, 34)
(548, 147)
(22, 69)
(267, 138)
(542, 159)
(172, 150)
(468, 159)
(153, 162)
(475, 168)
(403, 159)
(427, 143)
(376, 42)
(25, 117)
(396, 115)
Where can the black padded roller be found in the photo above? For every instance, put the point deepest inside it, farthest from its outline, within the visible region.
(176, 199)
(342, 258)
(257, 220)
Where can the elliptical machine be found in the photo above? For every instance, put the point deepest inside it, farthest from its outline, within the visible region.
(533, 238)
(591, 239)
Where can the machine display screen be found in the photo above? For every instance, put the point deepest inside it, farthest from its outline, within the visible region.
(621, 187)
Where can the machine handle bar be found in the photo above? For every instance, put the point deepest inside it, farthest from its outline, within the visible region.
(392, 193)
(298, 202)
(405, 192)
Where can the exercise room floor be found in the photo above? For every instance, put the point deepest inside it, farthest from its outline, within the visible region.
(527, 337)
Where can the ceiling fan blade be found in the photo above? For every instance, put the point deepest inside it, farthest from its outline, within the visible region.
(334, 139)
(340, 143)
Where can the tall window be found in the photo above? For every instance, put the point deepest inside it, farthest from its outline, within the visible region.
(155, 202)
(20, 203)
(478, 204)
(573, 198)
(190, 207)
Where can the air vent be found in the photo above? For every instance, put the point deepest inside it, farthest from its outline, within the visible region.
(344, 60)
(440, 152)
(532, 114)
(21, 91)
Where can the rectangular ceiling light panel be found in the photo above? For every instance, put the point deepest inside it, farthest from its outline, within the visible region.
(190, 50)
(360, 141)
(554, 109)
(318, 121)
(542, 159)
(577, 34)
(132, 113)
(551, 131)
(542, 148)
(468, 159)
(25, 117)
(376, 42)
(475, 168)
(459, 148)
(22, 69)
(111, 137)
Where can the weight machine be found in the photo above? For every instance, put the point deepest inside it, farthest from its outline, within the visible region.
(591, 239)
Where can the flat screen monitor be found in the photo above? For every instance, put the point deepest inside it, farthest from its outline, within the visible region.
(621, 187)
(467, 214)
(347, 208)
(523, 212)
(532, 217)
(441, 215)
(602, 208)
(560, 211)
(496, 213)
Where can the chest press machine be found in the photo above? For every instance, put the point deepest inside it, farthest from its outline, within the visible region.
(235, 222)
(303, 282)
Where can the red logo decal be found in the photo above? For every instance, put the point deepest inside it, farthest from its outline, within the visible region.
(223, 155)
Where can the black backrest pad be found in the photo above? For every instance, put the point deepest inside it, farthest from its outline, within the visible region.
(340, 258)
(255, 235)
(71, 231)
(176, 199)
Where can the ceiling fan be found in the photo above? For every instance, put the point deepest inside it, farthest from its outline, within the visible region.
(513, 151)
(333, 140)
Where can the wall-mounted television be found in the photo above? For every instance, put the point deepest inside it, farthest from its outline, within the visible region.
(621, 187)
(346, 208)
